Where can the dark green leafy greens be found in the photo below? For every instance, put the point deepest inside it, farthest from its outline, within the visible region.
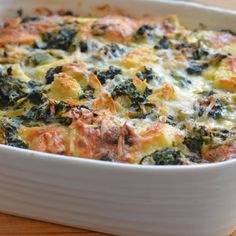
(147, 74)
(215, 112)
(10, 129)
(88, 93)
(201, 136)
(171, 120)
(199, 53)
(43, 113)
(36, 97)
(106, 158)
(183, 45)
(51, 72)
(181, 81)
(13, 89)
(112, 50)
(213, 105)
(220, 134)
(109, 74)
(195, 68)
(167, 156)
(61, 39)
(83, 46)
(195, 139)
(140, 107)
(144, 31)
(127, 88)
(164, 43)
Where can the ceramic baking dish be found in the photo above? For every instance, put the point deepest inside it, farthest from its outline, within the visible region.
(122, 199)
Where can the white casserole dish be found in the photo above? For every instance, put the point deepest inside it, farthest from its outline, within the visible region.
(122, 199)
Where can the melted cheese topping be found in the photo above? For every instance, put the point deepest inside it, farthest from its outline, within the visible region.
(118, 89)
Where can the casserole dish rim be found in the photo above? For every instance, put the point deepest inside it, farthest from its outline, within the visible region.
(93, 163)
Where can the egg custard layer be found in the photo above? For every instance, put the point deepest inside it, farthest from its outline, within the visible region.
(140, 91)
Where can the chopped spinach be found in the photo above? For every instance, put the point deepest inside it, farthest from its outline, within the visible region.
(51, 72)
(9, 71)
(167, 156)
(195, 158)
(106, 158)
(181, 81)
(195, 139)
(109, 74)
(138, 100)
(36, 97)
(164, 43)
(36, 114)
(10, 129)
(112, 50)
(199, 53)
(88, 93)
(220, 134)
(61, 108)
(12, 89)
(183, 45)
(16, 142)
(215, 59)
(147, 92)
(66, 121)
(83, 46)
(195, 68)
(170, 120)
(62, 39)
(144, 31)
(42, 113)
(148, 110)
(146, 74)
(215, 112)
(128, 89)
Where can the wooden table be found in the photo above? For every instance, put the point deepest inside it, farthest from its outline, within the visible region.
(16, 226)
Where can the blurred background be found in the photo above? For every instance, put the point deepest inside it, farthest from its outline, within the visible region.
(229, 4)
